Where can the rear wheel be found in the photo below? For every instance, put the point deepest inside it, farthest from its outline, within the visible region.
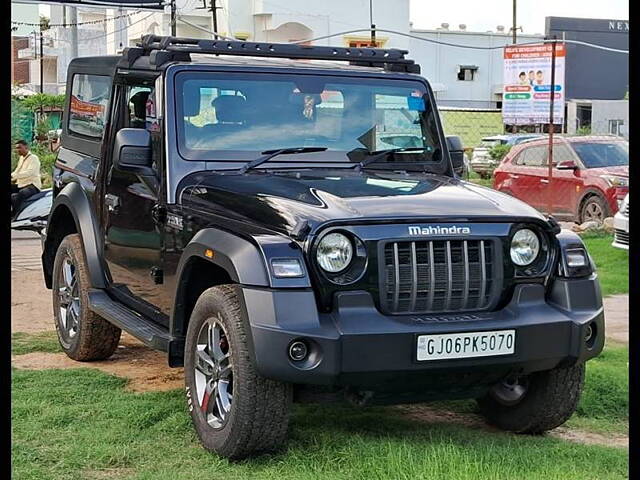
(534, 403)
(235, 411)
(83, 335)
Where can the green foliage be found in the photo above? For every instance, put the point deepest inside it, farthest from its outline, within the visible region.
(586, 130)
(498, 152)
(42, 100)
(626, 95)
(42, 127)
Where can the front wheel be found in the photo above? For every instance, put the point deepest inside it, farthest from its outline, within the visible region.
(534, 403)
(595, 209)
(235, 411)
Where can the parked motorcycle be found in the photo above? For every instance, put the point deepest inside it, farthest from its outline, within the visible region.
(33, 213)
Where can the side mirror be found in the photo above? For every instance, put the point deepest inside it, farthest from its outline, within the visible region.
(456, 152)
(567, 165)
(132, 151)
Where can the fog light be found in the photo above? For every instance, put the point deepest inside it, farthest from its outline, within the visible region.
(590, 335)
(298, 351)
(576, 258)
(287, 268)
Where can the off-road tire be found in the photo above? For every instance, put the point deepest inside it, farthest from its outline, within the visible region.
(259, 415)
(600, 202)
(96, 338)
(551, 398)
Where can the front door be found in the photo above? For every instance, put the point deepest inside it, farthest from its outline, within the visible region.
(133, 227)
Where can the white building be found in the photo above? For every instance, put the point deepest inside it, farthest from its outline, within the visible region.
(464, 77)
(601, 117)
(253, 20)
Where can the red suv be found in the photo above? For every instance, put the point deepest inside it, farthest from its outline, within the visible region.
(589, 181)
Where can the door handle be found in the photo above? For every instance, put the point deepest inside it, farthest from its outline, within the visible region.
(112, 202)
(544, 180)
(513, 175)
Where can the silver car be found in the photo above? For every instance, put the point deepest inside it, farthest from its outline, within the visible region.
(481, 161)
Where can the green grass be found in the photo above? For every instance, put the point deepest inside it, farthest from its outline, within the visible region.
(22, 343)
(475, 178)
(73, 424)
(612, 263)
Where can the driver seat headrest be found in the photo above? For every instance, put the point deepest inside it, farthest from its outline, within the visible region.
(230, 108)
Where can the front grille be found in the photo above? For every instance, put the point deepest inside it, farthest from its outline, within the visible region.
(621, 237)
(439, 276)
(626, 210)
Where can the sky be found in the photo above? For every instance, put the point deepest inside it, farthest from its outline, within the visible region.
(483, 15)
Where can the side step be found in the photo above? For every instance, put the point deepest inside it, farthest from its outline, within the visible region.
(148, 332)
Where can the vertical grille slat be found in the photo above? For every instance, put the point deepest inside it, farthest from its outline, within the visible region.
(447, 303)
(414, 271)
(465, 259)
(435, 276)
(432, 277)
(483, 269)
(396, 262)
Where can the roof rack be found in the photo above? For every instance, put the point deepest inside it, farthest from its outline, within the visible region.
(163, 49)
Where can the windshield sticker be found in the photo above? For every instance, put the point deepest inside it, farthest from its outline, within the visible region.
(416, 103)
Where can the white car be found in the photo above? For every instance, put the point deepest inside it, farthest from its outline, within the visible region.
(621, 225)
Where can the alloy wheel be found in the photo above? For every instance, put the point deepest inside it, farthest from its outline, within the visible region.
(68, 299)
(214, 373)
(593, 211)
(510, 391)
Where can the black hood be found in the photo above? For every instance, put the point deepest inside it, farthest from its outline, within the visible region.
(280, 200)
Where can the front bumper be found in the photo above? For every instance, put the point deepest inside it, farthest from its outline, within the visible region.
(356, 346)
(621, 231)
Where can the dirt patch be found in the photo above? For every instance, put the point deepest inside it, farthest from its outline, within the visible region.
(426, 414)
(616, 313)
(31, 309)
(146, 369)
(109, 473)
(590, 438)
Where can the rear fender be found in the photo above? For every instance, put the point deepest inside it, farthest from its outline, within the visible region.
(72, 198)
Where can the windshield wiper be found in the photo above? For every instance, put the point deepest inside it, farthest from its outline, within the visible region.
(380, 154)
(269, 154)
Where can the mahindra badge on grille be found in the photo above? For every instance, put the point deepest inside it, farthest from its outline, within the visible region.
(438, 230)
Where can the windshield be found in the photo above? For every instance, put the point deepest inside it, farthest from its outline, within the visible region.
(236, 117)
(597, 155)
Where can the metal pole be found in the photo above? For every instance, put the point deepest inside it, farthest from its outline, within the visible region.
(73, 20)
(173, 18)
(41, 64)
(551, 128)
(214, 13)
(373, 27)
(513, 28)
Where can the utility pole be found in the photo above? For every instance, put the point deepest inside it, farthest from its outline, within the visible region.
(173, 18)
(73, 20)
(552, 94)
(373, 26)
(513, 27)
(41, 64)
(214, 14)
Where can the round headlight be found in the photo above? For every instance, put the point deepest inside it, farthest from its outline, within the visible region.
(334, 252)
(525, 247)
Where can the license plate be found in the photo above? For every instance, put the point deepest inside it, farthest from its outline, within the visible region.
(465, 345)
